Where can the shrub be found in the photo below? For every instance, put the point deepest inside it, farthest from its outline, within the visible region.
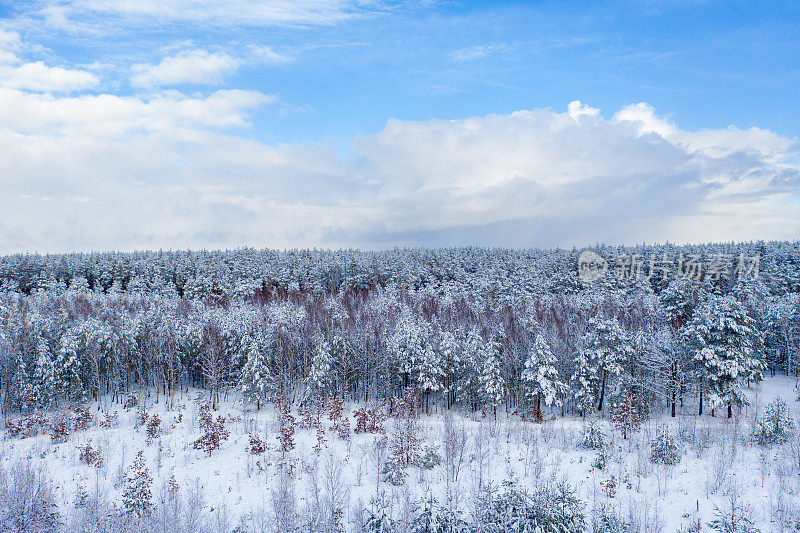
(90, 456)
(626, 416)
(610, 486)
(28, 426)
(664, 448)
(378, 519)
(394, 473)
(83, 418)
(59, 430)
(111, 420)
(608, 521)
(432, 516)
(554, 509)
(600, 459)
(130, 402)
(256, 446)
(593, 437)
(153, 428)
(214, 431)
(430, 457)
(775, 425)
(370, 420)
(286, 423)
(735, 518)
(27, 502)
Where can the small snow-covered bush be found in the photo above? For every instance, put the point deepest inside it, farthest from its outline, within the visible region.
(593, 437)
(214, 431)
(606, 520)
(431, 515)
(547, 508)
(27, 502)
(394, 473)
(600, 459)
(130, 402)
(735, 518)
(664, 448)
(378, 517)
(90, 456)
(430, 457)
(59, 429)
(775, 425)
(83, 418)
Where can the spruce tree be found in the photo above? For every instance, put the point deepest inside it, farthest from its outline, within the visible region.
(256, 382)
(540, 377)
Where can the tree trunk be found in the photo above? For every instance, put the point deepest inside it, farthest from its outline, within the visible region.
(602, 392)
(701, 402)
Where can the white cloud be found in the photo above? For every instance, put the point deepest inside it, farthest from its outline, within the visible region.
(40, 77)
(104, 13)
(265, 54)
(9, 44)
(472, 53)
(191, 66)
(100, 172)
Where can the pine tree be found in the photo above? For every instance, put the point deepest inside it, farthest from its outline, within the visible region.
(605, 346)
(468, 389)
(137, 495)
(493, 385)
(727, 349)
(429, 374)
(256, 383)
(44, 378)
(540, 377)
(21, 383)
(68, 364)
(321, 381)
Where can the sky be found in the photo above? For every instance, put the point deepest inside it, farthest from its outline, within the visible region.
(148, 124)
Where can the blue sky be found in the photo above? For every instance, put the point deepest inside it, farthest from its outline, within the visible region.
(688, 107)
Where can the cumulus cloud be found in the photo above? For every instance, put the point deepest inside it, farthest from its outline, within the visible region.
(99, 172)
(39, 77)
(191, 66)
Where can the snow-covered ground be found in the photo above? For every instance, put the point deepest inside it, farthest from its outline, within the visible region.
(230, 487)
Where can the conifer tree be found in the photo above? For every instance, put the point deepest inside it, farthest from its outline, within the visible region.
(540, 376)
(137, 495)
(44, 378)
(605, 346)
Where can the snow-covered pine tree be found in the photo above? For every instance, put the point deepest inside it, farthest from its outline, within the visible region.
(468, 364)
(321, 380)
(68, 364)
(605, 346)
(493, 385)
(21, 383)
(540, 378)
(727, 349)
(256, 383)
(137, 495)
(429, 374)
(44, 377)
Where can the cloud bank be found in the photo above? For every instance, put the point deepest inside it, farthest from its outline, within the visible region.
(173, 170)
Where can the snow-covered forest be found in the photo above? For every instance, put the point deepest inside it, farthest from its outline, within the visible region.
(462, 389)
